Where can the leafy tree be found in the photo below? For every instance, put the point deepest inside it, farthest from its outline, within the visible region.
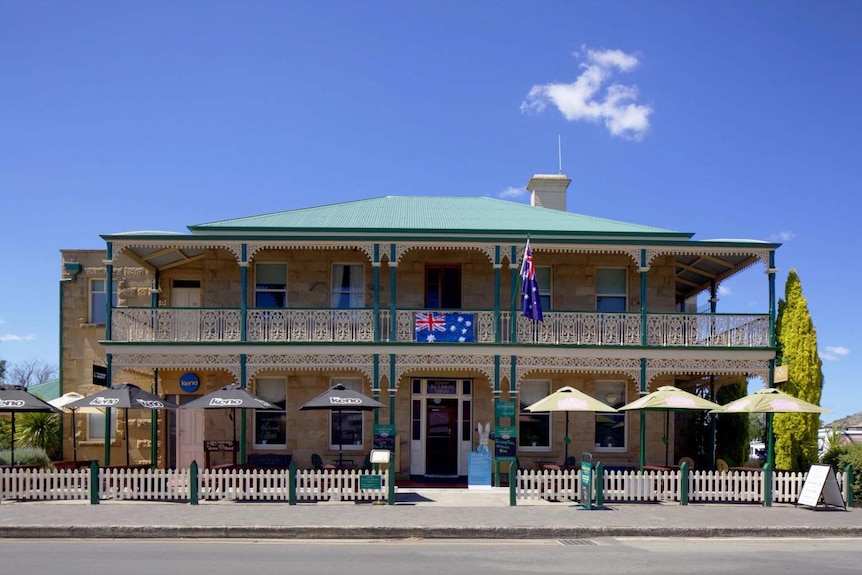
(38, 429)
(796, 433)
(732, 428)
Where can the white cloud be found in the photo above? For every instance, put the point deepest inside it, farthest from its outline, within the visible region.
(584, 99)
(723, 290)
(15, 337)
(834, 353)
(513, 193)
(784, 236)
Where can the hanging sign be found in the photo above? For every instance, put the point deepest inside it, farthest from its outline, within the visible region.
(100, 375)
(189, 382)
(821, 485)
(505, 442)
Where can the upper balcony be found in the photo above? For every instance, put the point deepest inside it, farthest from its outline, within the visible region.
(324, 325)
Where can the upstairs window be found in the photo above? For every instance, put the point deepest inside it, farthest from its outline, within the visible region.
(99, 300)
(543, 278)
(611, 290)
(348, 286)
(442, 287)
(270, 286)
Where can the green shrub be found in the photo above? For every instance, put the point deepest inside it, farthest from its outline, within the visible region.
(27, 456)
(853, 456)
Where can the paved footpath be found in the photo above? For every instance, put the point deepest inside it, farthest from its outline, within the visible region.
(423, 513)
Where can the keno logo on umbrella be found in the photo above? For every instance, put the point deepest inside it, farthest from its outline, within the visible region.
(345, 401)
(150, 404)
(225, 402)
(104, 401)
(12, 403)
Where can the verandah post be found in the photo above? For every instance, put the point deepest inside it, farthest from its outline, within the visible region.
(193, 483)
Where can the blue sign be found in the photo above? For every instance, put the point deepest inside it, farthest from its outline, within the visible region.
(479, 471)
(189, 382)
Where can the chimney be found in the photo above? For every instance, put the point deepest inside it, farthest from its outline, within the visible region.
(548, 191)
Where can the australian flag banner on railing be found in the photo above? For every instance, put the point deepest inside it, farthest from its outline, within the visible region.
(444, 327)
(530, 287)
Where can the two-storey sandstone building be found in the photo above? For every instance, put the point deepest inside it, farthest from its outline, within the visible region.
(414, 301)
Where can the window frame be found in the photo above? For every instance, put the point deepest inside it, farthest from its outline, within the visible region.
(545, 291)
(356, 384)
(601, 393)
(441, 292)
(100, 317)
(524, 436)
(96, 421)
(269, 414)
(275, 291)
(337, 293)
(623, 295)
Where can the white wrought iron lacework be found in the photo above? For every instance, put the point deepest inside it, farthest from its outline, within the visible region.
(707, 330)
(581, 328)
(302, 325)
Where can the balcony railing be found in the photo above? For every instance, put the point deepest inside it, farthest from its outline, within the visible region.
(357, 325)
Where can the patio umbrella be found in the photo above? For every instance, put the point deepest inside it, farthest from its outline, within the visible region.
(569, 399)
(62, 403)
(667, 398)
(337, 398)
(769, 400)
(233, 397)
(126, 396)
(13, 400)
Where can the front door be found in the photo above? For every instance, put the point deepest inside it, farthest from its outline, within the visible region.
(441, 447)
(190, 435)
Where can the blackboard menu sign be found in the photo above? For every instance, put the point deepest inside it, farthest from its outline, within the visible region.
(505, 443)
(384, 436)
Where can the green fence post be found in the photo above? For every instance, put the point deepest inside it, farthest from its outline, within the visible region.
(600, 485)
(390, 499)
(683, 480)
(767, 485)
(193, 483)
(513, 483)
(291, 486)
(848, 485)
(94, 483)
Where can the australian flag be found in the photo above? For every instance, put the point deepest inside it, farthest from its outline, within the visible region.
(530, 287)
(444, 327)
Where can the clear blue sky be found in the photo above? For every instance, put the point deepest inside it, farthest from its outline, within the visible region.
(726, 119)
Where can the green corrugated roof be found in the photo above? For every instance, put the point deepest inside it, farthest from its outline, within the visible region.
(432, 214)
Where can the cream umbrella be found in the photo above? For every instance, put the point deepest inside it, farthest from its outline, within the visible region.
(62, 403)
(666, 398)
(569, 399)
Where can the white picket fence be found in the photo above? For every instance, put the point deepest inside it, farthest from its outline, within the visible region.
(645, 486)
(22, 484)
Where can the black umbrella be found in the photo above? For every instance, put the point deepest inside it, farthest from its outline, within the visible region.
(337, 398)
(126, 396)
(13, 400)
(233, 397)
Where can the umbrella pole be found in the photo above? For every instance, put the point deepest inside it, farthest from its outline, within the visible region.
(74, 439)
(666, 437)
(127, 435)
(12, 443)
(340, 446)
(233, 418)
(565, 440)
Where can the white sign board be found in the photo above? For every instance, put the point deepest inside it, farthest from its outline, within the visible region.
(821, 484)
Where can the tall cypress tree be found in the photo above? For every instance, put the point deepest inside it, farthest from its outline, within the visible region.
(796, 433)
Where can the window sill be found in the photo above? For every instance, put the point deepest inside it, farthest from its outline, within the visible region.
(534, 448)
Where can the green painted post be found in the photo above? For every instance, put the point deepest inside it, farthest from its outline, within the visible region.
(390, 481)
(600, 485)
(94, 483)
(767, 485)
(513, 480)
(193, 483)
(683, 479)
(292, 483)
(848, 485)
